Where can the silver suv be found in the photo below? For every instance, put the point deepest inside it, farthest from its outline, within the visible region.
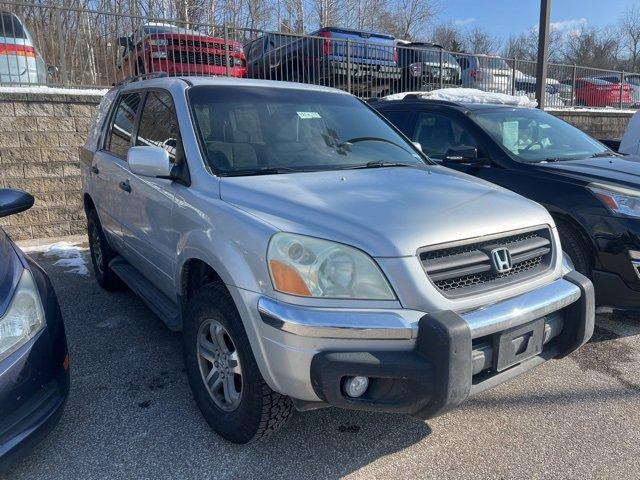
(312, 256)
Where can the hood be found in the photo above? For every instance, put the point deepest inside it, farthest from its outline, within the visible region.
(621, 170)
(387, 212)
(10, 271)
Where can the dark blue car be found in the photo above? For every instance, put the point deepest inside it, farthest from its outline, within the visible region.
(34, 362)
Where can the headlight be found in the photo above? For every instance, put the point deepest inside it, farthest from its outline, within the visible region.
(310, 267)
(158, 42)
(159, 54)
(621, 200)
(24, 317)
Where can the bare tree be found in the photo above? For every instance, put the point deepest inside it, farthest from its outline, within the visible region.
(408, 19)
(479, 40)
(592, 47)
(630, 35)
(449, 36)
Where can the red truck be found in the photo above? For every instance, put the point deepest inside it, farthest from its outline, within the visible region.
(161, 47)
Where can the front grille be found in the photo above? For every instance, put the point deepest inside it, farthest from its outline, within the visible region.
(183, 42)
(462, 269)
(200, 58)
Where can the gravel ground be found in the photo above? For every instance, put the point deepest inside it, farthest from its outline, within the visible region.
(131, 414)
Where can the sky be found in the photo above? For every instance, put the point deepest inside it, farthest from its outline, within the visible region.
(503, 18)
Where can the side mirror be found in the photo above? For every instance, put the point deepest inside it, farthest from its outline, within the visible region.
(14, 201)
(417, 145)
(461, 154)
(149, 162)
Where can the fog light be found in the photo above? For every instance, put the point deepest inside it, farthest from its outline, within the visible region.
(356, 386)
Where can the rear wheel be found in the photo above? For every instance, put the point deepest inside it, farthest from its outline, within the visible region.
(101, 254)
(223, 373)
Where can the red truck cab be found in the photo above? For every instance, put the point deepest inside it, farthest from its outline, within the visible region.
(160, 47)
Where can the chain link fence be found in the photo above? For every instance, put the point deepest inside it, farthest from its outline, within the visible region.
(72, 47)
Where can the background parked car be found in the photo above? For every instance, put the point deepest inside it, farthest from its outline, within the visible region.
(485, 72)
(370, 67)
(160, 47)
(633, 82)
(20, 61)
(557, 94)
(34, 364)
(595, 92)
(591, 192)
(421, 69)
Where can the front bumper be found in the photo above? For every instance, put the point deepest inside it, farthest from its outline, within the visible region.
(421, 364)
(34, 381)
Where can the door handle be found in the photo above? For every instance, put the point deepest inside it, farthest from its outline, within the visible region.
(126, 186)
(95, 169)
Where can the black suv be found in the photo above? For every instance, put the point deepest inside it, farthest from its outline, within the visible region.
(592, 192)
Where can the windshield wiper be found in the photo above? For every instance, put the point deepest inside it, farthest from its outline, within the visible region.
(261, 171)
(606, 154)
(381, 164)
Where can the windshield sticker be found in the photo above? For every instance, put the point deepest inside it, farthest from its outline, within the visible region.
(307, 115)
(510, 135)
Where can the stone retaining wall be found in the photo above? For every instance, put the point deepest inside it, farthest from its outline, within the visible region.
(598, 124)
(39, 138)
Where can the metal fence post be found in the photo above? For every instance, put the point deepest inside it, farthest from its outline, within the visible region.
(574, 74)
(227, 50)
(348, 66)
(513, 77)
(621, 87)
(441, 69)
(61, 54)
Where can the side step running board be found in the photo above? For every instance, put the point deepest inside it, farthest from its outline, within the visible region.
(157, 301)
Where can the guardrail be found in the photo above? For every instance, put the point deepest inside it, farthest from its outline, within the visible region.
(75, 47)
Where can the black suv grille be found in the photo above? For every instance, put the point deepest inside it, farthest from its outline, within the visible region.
(466, 269)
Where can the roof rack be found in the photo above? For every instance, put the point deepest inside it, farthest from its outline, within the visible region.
(142, 76)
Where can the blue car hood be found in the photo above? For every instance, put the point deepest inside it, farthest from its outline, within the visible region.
(10, 271)
(620, 170)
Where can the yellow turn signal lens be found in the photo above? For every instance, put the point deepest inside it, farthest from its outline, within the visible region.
(287, 280)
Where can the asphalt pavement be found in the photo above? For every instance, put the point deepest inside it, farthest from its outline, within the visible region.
(131, 415)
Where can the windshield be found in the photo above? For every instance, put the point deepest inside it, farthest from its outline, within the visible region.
(249, 130)
(534, 136)
(493, 63)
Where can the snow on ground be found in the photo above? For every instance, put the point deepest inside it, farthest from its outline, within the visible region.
(469, 95)
(69, 255)
(53, 90)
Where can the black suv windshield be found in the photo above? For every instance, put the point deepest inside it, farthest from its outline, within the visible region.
(533, 136)
(253, 130)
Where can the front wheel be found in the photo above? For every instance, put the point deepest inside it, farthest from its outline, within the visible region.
(222, 371)
(574, 246)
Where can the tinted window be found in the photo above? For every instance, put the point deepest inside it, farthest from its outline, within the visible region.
(398, 118)
(244, 129)
(159, 124)
(10, 26)
(463, 62)
(438, 133)
(535, 136)
(122, 125)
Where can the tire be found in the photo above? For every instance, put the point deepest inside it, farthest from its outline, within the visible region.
(257, 411)
(101, 254)
(574, 246)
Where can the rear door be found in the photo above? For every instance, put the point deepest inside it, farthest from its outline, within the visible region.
(109, 168)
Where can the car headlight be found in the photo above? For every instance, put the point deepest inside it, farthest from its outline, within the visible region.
(311, 267)
(620, 200)
(24, 317)
(158, 42)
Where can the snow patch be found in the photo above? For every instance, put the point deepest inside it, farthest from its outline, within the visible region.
(53, 90)
(69, 255)
(469, 95)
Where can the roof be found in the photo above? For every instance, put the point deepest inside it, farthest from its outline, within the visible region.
(229, 81)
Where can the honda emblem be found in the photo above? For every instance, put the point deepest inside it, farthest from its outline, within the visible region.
(501, 260)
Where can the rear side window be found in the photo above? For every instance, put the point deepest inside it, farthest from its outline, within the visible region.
(159, 124)
(122, 124)
(11, 27)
